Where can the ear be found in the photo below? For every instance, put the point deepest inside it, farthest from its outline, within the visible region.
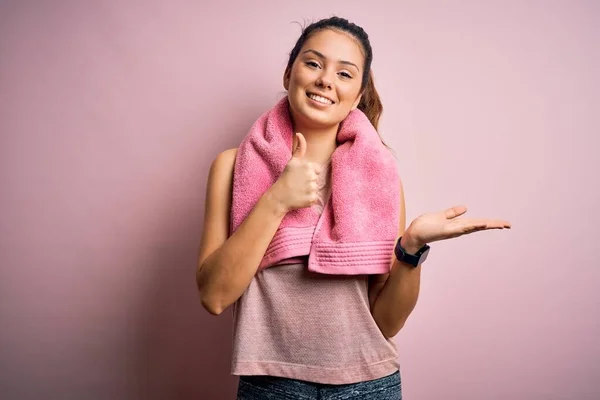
(356, 102)
(286, 79)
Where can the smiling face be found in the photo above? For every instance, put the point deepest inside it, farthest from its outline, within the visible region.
(324, 83)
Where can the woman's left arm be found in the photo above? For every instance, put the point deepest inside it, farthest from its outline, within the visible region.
(393, 296)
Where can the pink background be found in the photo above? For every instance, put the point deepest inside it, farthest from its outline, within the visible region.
(111, 113)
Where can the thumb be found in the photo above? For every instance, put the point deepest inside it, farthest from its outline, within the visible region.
(300, 150)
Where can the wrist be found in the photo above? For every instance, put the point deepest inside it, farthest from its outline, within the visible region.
(410, 244)
(274, 203)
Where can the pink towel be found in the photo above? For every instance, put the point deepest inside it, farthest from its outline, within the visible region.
(356, 232)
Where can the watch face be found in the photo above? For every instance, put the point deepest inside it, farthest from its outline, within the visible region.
(414, 260)
(424, 256)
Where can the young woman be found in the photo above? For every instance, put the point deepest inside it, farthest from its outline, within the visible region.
(297, 333)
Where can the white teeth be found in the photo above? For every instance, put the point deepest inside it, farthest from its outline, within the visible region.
(320, 99)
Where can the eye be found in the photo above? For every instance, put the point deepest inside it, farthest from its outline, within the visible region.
(313, 64)
(346, 75)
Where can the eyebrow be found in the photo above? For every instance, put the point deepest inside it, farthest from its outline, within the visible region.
(325, 58)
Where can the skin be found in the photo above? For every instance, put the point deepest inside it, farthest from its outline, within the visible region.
(329, 64)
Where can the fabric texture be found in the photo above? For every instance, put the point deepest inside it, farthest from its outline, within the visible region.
(298, 324)
(356, 232)
(267, 387)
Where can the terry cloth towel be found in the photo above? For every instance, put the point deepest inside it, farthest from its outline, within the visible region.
(357, 230)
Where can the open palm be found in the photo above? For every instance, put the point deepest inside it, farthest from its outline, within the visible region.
(435, 226)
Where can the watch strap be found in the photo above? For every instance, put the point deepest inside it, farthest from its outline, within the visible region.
(411, 259)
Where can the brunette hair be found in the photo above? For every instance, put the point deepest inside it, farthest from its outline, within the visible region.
(370, 103)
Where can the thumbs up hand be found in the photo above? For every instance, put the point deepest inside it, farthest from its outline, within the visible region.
(297, 185)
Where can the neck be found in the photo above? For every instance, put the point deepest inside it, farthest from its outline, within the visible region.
(320, 142)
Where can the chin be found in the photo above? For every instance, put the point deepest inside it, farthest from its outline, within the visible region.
(316, 119)
(311, 116)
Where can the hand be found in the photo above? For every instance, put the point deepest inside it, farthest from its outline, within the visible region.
(442, 225)
(297, 185)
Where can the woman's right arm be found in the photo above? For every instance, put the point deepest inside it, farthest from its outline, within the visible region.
(226, 266)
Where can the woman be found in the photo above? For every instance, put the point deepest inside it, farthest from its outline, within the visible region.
(300, 334)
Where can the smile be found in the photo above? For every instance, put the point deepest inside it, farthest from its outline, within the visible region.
(320, 99)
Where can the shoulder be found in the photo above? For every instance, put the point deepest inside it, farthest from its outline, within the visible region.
(223, 163)
(225, 158)
(220, 176)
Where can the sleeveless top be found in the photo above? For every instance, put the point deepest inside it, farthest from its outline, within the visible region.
(297, 324)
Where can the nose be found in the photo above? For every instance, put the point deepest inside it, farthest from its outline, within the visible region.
(324, 81)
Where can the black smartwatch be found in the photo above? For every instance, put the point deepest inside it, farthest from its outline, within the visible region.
(411, 259)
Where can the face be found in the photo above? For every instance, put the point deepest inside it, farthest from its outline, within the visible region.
(325, 80)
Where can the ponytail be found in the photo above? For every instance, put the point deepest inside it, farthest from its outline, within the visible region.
(370, 103)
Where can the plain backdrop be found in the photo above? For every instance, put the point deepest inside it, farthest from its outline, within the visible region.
(112, 111)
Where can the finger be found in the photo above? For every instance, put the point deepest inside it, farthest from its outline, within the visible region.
(472, 230)
(314, 177)
(312, 169)
(479, 225)
(474, 227)
(490, 223)
(455, 211)
(301, 148)
(498, 224)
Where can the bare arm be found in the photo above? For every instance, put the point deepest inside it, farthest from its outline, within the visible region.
(393, 296)
(226, 266)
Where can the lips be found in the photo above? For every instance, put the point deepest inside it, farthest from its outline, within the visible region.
(320, 98)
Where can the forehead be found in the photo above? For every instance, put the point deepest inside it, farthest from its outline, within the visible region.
(336, 46)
